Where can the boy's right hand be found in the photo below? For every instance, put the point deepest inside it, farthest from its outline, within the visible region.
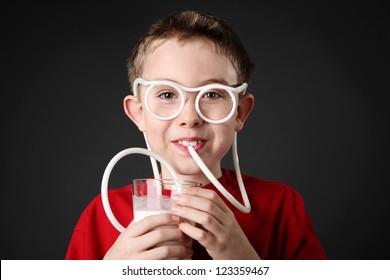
(140, 240)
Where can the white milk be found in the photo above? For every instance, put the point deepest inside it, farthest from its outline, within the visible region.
(140, 214)
(140, 204)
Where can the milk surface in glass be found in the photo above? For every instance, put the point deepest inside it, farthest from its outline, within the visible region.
(146, 206)
(153, 196)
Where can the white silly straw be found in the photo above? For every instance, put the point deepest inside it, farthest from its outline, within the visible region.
(246, 208)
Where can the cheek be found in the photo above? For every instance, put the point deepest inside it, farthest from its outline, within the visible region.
(152, 125)
(155, 132)
(224, 137)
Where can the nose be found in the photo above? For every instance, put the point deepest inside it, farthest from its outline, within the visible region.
(188, 117)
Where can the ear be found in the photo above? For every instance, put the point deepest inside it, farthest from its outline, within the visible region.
(245, 106)
(134, 110)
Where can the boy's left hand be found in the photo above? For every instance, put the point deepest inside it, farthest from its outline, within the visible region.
(217, 230)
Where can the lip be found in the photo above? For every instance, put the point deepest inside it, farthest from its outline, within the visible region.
(197, 147)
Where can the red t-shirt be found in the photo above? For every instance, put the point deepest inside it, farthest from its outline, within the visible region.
(277, 226)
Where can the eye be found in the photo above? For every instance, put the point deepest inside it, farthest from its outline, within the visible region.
(212, 95)
(167, 95)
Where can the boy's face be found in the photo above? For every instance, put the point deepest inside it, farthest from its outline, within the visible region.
(193, 63)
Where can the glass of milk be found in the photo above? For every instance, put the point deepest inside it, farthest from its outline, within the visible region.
(153, 196)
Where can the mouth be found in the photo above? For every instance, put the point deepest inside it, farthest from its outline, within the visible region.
(183, 144)
(189, 143)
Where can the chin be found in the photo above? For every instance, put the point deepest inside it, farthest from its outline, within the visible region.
(187, 169)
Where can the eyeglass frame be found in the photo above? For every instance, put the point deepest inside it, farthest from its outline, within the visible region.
(182, 90)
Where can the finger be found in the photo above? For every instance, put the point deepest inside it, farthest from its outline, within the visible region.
(207, 194)
(161, 235)
(184, 204)
(168, 252)
(208, 221)
(147, 224)
(204, 237)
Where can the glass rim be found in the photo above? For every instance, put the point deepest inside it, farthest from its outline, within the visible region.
(169, 181)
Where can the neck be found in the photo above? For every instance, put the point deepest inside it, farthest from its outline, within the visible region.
(198, 177)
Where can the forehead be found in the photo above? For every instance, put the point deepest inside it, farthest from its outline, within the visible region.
(191, 62)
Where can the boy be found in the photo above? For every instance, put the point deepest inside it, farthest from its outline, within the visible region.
(182, 118)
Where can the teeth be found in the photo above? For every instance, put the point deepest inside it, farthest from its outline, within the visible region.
(189, 143)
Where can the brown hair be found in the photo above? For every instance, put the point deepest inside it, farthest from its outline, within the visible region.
(185, 25)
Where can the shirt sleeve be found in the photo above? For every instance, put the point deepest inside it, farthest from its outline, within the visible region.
(301, 241)
(93, 234)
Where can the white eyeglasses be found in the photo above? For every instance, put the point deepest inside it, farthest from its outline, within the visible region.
(214, 103)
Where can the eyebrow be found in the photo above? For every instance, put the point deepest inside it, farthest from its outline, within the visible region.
(222, 82)
(206, 82)
(217, 81)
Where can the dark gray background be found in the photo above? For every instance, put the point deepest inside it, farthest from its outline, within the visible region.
(320, 121)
